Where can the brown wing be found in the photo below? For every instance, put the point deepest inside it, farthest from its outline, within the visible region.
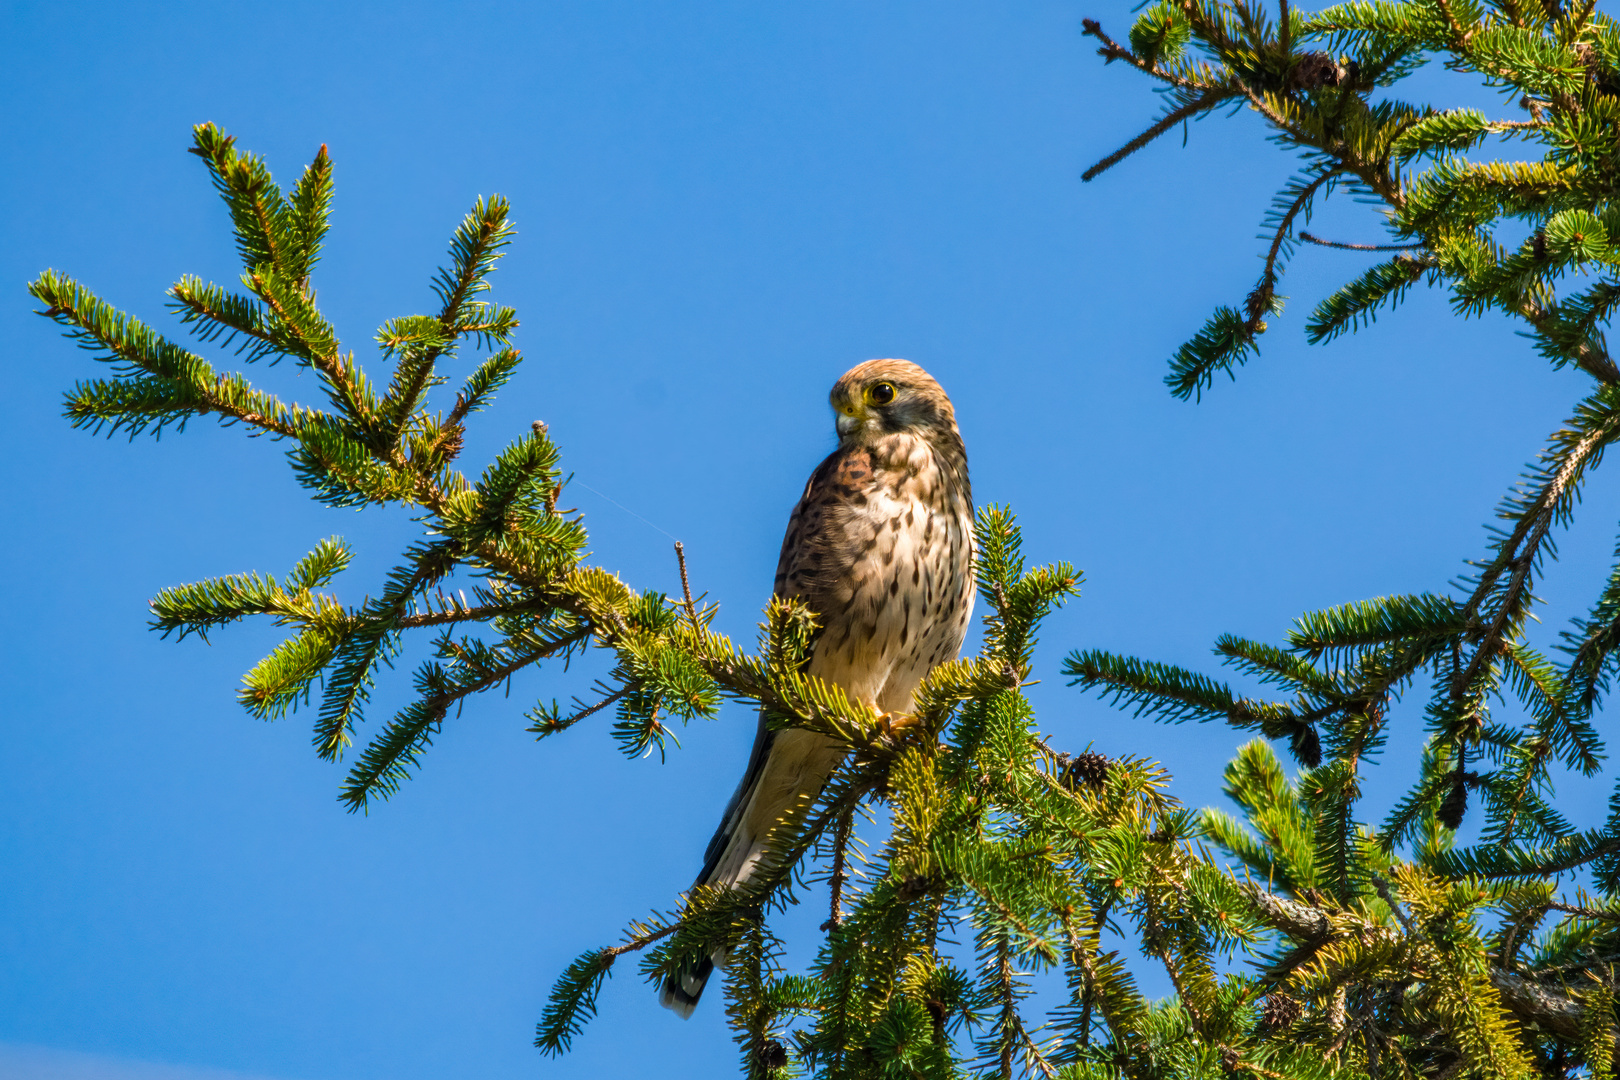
(815, 550)
(809, 568)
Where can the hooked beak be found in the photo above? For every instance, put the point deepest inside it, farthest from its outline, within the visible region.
(849, 420)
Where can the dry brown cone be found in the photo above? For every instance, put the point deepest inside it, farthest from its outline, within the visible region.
(1279, 1012)
(1089, 768)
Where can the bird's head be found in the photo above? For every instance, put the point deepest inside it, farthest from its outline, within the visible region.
(883, 397)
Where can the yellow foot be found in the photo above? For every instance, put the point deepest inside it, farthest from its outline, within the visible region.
(893, 725)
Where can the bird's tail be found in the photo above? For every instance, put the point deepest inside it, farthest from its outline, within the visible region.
(728, 860)
(737, 851)
(682, 989)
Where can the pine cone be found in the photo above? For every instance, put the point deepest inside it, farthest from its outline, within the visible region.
(450, 445)
(772, 1054)
(1454, 804)
(1307, 746)
(1279, 1012)
(914, 886)
(1316, 70)
(1258, 304)
(1089, 768)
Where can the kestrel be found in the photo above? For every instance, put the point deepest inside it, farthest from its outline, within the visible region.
(881, 549)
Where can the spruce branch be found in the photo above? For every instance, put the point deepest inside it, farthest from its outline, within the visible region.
(1112, 50)
(839, 875)
(1374, 939)
(1575, 449)
(258, 210)
(573, 999)
(392, 754)
(1313, 239)
(157, 383)
(1203, 103)
(1228, 339)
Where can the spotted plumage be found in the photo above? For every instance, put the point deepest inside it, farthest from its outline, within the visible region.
(880, 547)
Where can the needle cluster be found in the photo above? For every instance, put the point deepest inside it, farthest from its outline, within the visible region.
(991, 897)
(1397, 948)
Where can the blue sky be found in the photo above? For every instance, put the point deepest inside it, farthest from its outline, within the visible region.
(721, 206)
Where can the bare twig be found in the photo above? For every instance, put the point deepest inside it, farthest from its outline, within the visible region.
(460, 614)
(1585, 913)
(1259, 303)
(1113, 50)
(598, 707)
(1579, 965)
(1009, 1005)
(1510, 942)
(1388, 896)
(1209, 100)
(1313, 239)
(840, 873)
(686, 584)
(605, 958)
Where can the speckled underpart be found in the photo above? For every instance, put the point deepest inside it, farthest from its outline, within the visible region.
(881, 548)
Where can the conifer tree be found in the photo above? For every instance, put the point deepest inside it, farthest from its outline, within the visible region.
(989, 825)
(1299, 941)
(1393, 949)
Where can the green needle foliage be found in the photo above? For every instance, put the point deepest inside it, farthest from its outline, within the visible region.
(991, 898)
(1000, 859)
(1397, 949)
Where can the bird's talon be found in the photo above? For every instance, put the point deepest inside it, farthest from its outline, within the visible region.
(892, 725)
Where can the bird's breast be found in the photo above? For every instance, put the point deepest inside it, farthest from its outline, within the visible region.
(907, 583)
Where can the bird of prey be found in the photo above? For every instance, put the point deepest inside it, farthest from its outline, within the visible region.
(880, 548)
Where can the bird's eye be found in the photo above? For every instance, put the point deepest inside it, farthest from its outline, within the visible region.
(881, 393)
